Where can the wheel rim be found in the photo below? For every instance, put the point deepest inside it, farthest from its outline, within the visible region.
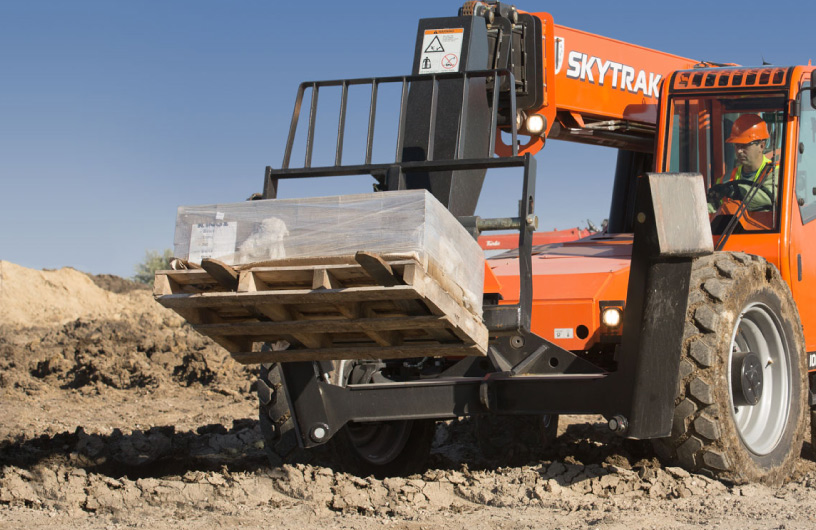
(761, 426)
(380, 442)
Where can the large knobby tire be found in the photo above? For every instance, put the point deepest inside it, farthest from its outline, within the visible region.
(277, 425)
(738, 303)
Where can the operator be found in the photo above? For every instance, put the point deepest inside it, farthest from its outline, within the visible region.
(749, 135)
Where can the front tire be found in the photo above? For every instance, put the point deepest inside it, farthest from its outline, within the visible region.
(275, 419)
(740, 406)
(382, 448)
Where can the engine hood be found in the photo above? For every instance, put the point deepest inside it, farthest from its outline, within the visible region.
(569, 281)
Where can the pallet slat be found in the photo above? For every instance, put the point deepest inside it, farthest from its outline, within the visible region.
(293, 296)
(325, 326)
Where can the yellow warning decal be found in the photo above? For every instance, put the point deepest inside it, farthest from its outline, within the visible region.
(443, 31)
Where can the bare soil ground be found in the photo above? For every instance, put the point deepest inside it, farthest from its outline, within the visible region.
(116, 414)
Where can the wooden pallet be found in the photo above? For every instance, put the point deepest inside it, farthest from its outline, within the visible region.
(363, 308)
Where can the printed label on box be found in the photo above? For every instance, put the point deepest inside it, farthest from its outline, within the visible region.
(212, 240)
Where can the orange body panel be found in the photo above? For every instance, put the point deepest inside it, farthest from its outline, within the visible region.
(800, 238)
(491, 283)
(569, 281)
(804, 291)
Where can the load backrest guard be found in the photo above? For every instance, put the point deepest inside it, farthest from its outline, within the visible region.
(447, 45)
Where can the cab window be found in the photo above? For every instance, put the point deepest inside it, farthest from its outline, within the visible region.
(735, 143)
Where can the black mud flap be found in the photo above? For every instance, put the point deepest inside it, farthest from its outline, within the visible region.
(671, 229)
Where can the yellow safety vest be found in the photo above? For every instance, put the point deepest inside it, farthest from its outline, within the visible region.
(736, 173)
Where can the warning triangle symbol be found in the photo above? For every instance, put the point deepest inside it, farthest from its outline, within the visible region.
(434, 46)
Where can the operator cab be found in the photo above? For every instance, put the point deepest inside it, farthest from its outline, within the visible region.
(729, 125)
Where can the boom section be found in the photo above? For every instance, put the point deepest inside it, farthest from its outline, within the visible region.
(599, 90)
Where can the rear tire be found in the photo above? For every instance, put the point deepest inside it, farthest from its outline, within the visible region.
(738, 303)
(382, 449)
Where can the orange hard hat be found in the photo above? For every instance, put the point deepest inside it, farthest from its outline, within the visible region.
(747, 128)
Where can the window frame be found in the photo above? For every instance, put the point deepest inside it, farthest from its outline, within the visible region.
(807, 212)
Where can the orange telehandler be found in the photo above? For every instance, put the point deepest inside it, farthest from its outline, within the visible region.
(690, 320)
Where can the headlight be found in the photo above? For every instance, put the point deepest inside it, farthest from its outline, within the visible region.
(611, 317)
(535, 124)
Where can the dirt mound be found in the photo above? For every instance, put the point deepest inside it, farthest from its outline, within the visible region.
(51, 298)
(61, 330)
(116, 284)
(92, 355)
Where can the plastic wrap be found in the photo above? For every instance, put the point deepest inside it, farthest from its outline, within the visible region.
(397, 223)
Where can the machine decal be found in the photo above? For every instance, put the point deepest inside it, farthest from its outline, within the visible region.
(811, 361)
(562, 333)
(585, 67)
(435, 46)
(450, 61)
(441, 50)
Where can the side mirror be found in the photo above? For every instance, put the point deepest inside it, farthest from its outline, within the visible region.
(813, 89)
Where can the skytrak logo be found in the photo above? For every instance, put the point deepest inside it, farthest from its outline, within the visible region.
(623, 77)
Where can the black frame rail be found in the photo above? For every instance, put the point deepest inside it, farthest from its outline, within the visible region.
(505, 318)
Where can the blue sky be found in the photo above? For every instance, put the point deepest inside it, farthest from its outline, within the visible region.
(113, 114)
